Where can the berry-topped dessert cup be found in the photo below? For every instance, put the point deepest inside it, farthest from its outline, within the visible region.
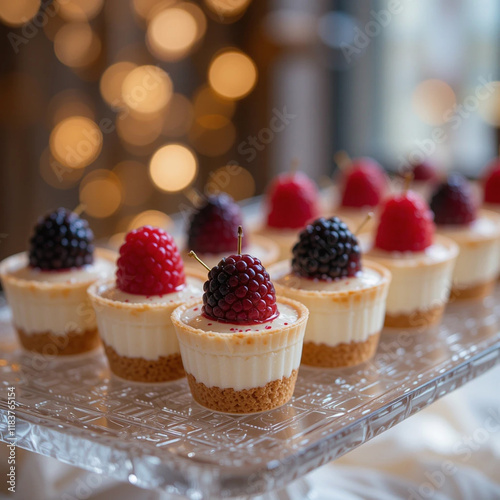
(476, 232)
(425, 178)
(421, 263)
(47, 287)
(345, 297)
(364, 185)
(133, 311)
(213, 230)
(241, 345)
(292, 201)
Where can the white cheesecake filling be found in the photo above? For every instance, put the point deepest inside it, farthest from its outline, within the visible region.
(139, 326)
(340, 311)
(478, 261)
(237, 368)
(421, 281)
(52, 301)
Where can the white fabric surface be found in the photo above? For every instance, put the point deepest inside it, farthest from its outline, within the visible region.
(450, 450)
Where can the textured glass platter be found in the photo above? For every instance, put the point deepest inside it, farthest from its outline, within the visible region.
(157, 437)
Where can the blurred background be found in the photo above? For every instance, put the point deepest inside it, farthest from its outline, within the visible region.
(123, 105)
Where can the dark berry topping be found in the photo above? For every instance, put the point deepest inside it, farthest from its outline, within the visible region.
(492, 183)
(453, 202)
(214, 226)
(239, 290)
(424, 171)
(149, 263)
(326, 250)
(61, 240)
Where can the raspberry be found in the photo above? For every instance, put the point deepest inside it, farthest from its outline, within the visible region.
(293, 201)
(492, 184)
(213, 227)
(365, 184)
(424, 171)
(326, 250)
(240, 291)
(149, 263)
(405, 225)
(453, 202)
(61, 240)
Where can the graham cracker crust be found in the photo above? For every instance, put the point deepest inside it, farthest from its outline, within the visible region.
(416, 319)
(272, 395)
(341, 355)
(473, 292)
(163, 369)
(71, 343)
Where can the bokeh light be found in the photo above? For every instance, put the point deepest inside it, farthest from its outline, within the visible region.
(172, 33)
(178, 116)
(146, 9)
(173, 167)
(489, 109)
(227, 10)
(232, 74)
(78, 10)
(76, 45)
(76, 142)
(137, 131)
(151, 218)
(18, 12)
(212, 135)
(207, 102)
(431, 100)
(112, 81)
(237, 181)
(147, 89)
(68, 103)
(100, 192)
(57, 175)
(135, 182)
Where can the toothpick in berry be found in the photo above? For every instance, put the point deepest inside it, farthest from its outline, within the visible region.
(194, 256)
(240, 239)
(369, 216)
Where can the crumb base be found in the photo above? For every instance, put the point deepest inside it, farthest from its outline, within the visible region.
(163, 369)
(48, 344)
(340, 355)
(258, 399)
(473, 292)
(416, 319)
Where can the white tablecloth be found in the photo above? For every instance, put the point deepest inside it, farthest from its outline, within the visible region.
(450, 450)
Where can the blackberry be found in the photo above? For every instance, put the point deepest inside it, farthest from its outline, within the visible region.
(61, 240)
(326, 250)
(214, 226)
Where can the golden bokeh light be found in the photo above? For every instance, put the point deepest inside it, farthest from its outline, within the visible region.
(57, 175)
(172, 33)
(198, 15)
(178, 117)
(237, 181)
(135, 182)
(112, 81)
(76, 45)
(18, 12)
(147, 89)
(232, 74)
(173, 167)
(213, 135)
(207, 102)
(76, 142)
(100, 192)
(227, 10)
(68, 103)
(151, 218)
(489, 108)
(137, 131)
(146, 9)
(432, 100)
(78, 10)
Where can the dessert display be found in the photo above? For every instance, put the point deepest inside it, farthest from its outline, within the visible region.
(476, 232)
(133, 311)
(213, 230)
(345, 296)
(46, 287)
(420, 262)
(241, 345)
(492, 186)
(364, 185)
(292, 201)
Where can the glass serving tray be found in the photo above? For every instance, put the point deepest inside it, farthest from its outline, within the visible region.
(156, 437)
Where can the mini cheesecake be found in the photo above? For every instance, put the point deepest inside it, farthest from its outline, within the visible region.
(138, 336)
(421, 263)
(133, 311)
(46, 287)
(346, 314)
(241, 368)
